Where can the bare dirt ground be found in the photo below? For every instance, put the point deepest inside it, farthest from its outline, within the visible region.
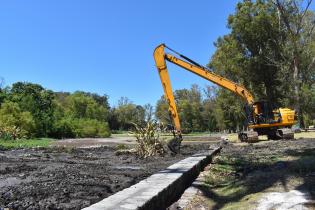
(250, 176)
(73, 178)
(129, 140)
(77, 174)
(94, 142)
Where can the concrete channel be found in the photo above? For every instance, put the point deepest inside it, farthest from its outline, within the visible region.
(160, 190)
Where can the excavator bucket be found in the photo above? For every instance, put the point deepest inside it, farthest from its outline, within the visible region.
(174, 144)
(248, 136)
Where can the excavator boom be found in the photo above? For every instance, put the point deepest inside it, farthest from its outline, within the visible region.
(212, 77)
(160, 58)
(260, 120)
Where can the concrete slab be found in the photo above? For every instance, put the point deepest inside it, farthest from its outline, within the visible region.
(159, 190)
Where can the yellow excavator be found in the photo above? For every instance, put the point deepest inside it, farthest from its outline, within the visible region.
(261, 118)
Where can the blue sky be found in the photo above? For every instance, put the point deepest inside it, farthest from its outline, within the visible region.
(106, 46)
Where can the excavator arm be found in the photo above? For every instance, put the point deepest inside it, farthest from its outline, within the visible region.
(275, 126)
(161, 57)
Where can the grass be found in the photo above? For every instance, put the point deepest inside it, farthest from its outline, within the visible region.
(25, 143)
(238, 182)
(226, 186)
(309, 134)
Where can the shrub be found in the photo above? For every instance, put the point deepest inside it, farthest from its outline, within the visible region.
(90, 128)
(11, 132)
(148, 139)
(63, 128)
(14, 123)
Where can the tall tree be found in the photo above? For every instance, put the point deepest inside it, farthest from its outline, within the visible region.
(269, 50)
(243, 54)
(161, 112)
(297, 22)
(148, 112)
(128, 113)
(36, 100)
(190, 109)
(209, 109)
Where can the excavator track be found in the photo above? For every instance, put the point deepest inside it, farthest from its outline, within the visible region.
(282, 133)
(248, 136)
(285, 133)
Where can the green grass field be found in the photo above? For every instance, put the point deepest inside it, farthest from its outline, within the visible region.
(25, 143)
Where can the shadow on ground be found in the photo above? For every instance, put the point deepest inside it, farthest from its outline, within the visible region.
(245, 170)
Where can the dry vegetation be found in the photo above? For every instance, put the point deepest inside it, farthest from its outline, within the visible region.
(148, 140)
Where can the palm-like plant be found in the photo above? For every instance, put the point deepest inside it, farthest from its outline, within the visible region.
(148, 139)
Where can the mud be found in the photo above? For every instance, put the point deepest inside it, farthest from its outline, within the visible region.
(63, 178)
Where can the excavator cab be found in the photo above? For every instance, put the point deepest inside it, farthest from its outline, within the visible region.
(260, 112)
(262, 119)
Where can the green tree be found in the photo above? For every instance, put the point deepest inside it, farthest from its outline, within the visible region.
(79, 105)
(113, 121)
(15, 122)
(244, 54)
(38, 101)
(148, 112)
(308, 97)
(297, 22)
(102, 100)
(128, 113)
(209, 109)
(80, 115)
(162, 113)
(230, 112)
(90, 128)
(269, 51)
(190, 107)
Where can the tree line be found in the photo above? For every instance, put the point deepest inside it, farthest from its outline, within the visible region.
(29, 110)
(270, 49)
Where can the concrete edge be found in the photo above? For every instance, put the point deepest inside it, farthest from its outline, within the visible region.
(160, 190)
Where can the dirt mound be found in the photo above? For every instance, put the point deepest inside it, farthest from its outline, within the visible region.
(73, 178)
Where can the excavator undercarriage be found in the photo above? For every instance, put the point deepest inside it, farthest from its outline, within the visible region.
(272, 134)
(248, 136)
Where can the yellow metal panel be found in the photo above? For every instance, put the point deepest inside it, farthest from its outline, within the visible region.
(166, 83)
(280, 125)
(212, 77)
